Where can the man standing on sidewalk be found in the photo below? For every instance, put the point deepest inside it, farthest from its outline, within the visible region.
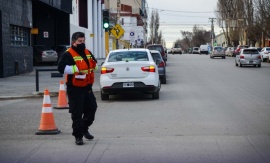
(78, 63)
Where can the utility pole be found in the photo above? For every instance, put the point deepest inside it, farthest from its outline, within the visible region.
(212, 31)
(118, 19)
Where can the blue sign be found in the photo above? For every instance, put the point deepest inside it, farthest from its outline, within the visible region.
(131, 33)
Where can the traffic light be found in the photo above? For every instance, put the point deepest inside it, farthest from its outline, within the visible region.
(105, 18)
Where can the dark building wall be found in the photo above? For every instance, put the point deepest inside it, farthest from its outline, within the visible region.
(50, 15)
(65, 5)
(1, 47)
(15, 60)
(49, 19)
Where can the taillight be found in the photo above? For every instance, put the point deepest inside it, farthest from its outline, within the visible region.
(105, 70)
(149, 68)
(161, 64)
(259, 57)
(242, 57)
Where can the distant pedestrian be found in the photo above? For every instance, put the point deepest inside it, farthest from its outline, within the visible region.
(79, 65)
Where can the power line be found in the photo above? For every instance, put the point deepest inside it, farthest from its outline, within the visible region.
(181, 11)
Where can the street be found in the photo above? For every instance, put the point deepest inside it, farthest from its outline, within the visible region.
(209, 111)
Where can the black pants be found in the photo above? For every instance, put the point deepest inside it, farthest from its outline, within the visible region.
(82, 106)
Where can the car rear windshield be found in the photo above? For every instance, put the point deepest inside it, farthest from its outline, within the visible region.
(218, 48)
(250, 51)
(155, 48)
(128, 56)
(156, 56)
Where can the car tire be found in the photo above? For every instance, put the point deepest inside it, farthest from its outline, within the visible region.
(104, 96)
(163, 80)
(155, 95)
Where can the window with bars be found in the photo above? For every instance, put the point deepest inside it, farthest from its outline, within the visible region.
(19, 36)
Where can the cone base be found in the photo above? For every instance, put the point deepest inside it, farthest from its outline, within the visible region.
(48, 132)
(57, 107)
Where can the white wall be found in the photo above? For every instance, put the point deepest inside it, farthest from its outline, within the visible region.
(96, 43)
(130, 25)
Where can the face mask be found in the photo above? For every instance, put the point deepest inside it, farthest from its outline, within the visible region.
(81, 46)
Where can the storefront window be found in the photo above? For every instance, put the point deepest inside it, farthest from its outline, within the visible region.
(19, 36)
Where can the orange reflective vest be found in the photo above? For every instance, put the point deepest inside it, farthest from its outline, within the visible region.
(78, 79)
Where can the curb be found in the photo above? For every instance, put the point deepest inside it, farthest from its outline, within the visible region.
(34, 95)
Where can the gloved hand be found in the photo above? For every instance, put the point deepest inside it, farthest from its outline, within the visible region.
(71, 69)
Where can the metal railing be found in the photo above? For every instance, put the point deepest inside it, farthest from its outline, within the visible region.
(52, 75)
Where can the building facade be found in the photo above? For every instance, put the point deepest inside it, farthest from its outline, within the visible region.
(132, 16)
(18, 20)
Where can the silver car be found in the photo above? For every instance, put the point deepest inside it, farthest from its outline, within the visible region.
(248, 57)
(218, 51)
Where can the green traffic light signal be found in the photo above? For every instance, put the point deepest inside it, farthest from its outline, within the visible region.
(106, 18)
(105, 23)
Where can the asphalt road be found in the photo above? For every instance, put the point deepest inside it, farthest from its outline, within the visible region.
(209, 111)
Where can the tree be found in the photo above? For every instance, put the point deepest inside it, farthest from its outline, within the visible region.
(195, 38)
(155, 36)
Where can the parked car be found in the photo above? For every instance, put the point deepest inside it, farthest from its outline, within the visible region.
(169, 51)
(248, 57)
(129, 71)
(229, 51)
(204, 49)
(160, 48)
(265, 53)
(161, 65)
(195, 50)
(60, 49)
(239, 47)
(43, 54)
(177, 49)
(218, 51)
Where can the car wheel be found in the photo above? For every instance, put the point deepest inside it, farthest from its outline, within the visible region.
(155, 95)
(259, 65)
(104, 96)
(163, 80)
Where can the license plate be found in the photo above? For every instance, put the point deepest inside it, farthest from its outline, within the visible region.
(128, 84)
(250, 61)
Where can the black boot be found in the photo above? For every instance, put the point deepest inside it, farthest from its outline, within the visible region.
(78, 141)
(87, 135)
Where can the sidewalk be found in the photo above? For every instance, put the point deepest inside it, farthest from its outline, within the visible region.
(24, 85)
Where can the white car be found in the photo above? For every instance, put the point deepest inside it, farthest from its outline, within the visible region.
(265, 53)
(129, 71)
(248, 57)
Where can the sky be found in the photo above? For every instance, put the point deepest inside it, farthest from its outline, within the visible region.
(182, 15)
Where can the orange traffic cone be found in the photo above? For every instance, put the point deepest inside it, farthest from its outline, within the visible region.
(47, 125)
(62, 97)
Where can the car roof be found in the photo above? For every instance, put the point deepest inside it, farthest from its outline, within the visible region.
(154, 51)
(132, 49)
(154, 45)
